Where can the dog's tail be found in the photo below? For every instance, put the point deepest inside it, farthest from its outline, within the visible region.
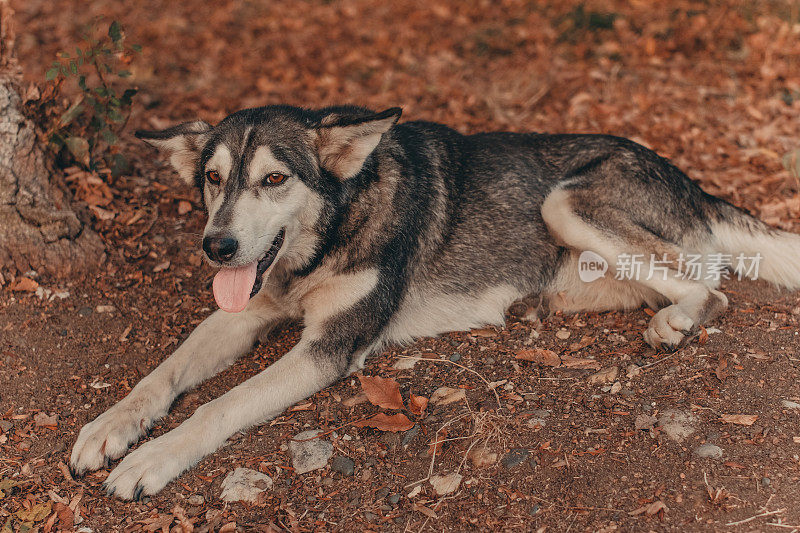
(756, 250)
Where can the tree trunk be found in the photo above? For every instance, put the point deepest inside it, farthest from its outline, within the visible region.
(38, 229)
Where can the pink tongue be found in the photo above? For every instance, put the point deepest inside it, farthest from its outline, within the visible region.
(232, 287)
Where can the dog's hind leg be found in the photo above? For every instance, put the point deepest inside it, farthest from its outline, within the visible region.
(609, 232)
(212, 346)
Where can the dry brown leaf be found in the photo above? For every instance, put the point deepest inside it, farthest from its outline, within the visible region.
(43, 419)
(483, 332)
(427, 511)
(384, 422)
(447, 484)
(607, 375)
(481, 456)
(539, 356)
(383, 392)
(24, 285)
(741, 420)
(568, 361)
(447, 395)
(417, 404)
(585, 341)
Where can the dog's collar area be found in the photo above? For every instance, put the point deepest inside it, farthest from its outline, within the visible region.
(267, 260)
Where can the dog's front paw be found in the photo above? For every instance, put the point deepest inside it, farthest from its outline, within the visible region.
(669, 329)
(106, 438)
(148, 469)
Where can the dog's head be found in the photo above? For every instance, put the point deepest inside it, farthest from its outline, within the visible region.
(264, 173)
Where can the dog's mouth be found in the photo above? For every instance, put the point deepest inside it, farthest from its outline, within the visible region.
(233, 287)
(265, 262)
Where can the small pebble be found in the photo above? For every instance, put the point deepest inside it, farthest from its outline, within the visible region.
(343, 465)
(709, 450)
(514, 457)
(196, 500)
(766, 481)
(455, 357)
(85, 311)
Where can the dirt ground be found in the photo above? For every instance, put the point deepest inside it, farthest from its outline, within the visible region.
(715, 86)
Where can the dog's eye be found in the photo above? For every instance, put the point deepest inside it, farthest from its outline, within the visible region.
(274, 179)
(213, 177)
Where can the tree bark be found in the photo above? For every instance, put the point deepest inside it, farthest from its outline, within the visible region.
(38, 229)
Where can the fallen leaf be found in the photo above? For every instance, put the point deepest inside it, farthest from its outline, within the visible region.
(447, 484)
(5, 487)
(607, 375)
(102, 214)
(154, 523)
(447, 395)
(43, 419)
(184, 207)
(703, 337)
(66, 517)
(568, 361)
(742, 420)
(650, 509)
(36, 513)
(24, 285)
(417, 404)
(481, 456)
(585, 341)
(383, 392)
(483, 332)
(161, 267)
(427, 511)
(539, 356)
(384, 422)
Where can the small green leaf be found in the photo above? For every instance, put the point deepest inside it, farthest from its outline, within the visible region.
(73, 67)
(51, 74)
(109, 136)
(82, 82)
(119, 165)
(114, 114)
(115, 31)
(70, 114)
(136, 48)
(79, 148)
(124, 73)
(64, 55)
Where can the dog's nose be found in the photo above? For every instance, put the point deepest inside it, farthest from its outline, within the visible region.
(220, 248)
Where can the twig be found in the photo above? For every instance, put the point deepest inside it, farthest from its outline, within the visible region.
(648, 365)
(746, 520)
(330, 430)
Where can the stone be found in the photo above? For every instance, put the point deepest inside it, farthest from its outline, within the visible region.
(244, 484)
(677, 425)
(711, 451)
(309, 455)
(343, 465)
(515, 457)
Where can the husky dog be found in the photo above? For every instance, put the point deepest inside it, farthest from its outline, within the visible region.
(373, 232)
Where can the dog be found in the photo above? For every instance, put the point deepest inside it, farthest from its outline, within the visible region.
(371, 232)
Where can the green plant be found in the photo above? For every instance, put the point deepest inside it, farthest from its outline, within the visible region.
(87, 132)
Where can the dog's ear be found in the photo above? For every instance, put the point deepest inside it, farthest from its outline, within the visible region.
(183, 143)
(345, 142)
